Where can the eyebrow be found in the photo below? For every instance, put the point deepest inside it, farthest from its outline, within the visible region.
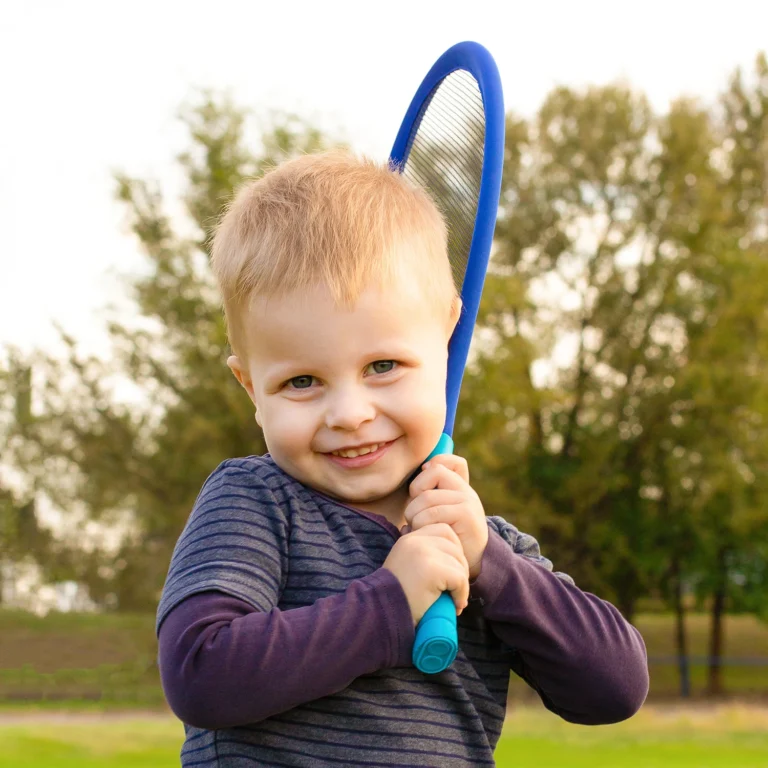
(285, 368)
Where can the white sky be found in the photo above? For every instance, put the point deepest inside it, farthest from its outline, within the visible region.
(90, 88)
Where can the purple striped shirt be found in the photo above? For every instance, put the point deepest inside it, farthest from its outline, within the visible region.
(283, 642)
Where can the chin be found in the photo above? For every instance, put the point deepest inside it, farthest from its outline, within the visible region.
(368, 495)
(357, 497)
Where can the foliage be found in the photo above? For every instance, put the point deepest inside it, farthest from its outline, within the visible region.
(622, 363)
(615, 405)
(139, 466)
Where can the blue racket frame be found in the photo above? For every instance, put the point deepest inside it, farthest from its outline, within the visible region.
(436, 641)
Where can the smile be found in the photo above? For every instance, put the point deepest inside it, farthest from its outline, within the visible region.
(350, 453)
(359, 457)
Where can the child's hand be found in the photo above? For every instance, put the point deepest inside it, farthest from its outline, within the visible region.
(427, 563)
(442, 494)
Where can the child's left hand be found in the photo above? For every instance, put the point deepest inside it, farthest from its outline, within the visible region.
(442, 494)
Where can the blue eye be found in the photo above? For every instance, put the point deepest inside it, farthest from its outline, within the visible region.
(383, 366)
(301, 382)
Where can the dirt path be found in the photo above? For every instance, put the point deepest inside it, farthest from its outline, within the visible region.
(80, 717)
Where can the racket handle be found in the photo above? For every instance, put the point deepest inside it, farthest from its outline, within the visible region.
(437, 641)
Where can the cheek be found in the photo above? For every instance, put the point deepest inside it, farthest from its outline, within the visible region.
(286, 426)
(422, 406)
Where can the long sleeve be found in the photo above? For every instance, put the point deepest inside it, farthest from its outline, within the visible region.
(224, 664)
(587, 663)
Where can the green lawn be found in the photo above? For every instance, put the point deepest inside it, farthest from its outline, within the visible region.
(671, 737)
(110, 660)
(734, 736)
(135, 743)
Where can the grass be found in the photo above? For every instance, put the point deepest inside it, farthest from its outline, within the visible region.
(61, 675)
(77, 742)
(670, 737)
(657, 737)
(68, 658)
(109, 660)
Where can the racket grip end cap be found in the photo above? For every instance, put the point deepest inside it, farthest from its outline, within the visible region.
(436, 643)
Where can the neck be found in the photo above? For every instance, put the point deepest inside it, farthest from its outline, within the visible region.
(392, 507)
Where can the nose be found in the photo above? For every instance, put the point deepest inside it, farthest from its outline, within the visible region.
(348, 408)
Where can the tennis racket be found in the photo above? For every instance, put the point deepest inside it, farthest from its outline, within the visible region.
(451, 142)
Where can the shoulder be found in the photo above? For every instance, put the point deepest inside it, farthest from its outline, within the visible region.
(523, 544)
(249, 472)
(239, 495)
(256, 478)
(235, 539)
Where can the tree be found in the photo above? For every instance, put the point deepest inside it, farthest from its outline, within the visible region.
(615, 401)
(623, 277)
(734, 402)
(140, 466)
(23, 540)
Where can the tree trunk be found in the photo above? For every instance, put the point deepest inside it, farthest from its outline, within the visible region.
(627, 608)
(7, 582)
(714, 676)
(681, 639)
(627, 592)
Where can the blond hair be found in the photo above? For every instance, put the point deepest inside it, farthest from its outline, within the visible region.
(329, 219)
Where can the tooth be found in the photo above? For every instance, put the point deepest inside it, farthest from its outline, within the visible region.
(353, 453)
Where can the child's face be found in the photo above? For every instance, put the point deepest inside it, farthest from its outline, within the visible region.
(325, 379)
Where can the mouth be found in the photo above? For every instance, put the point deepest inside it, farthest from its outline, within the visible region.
(363, 456)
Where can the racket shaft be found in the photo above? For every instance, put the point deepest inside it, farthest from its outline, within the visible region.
(436, 643)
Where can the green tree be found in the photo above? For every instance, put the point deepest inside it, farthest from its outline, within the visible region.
(622, 275)
(23, 539)
(139, 466)
(615, 401)
(731, 395)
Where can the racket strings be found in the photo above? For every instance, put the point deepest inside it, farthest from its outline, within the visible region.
(445, 156)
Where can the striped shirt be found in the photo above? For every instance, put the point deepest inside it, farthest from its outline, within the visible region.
(283, 642)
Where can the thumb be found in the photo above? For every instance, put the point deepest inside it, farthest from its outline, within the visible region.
(405, 529)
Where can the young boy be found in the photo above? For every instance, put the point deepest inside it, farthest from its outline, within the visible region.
(287, 620)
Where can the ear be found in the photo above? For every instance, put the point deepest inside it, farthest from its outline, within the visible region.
(456, 306)
(241, 374)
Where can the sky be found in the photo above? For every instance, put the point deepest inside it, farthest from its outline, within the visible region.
(90, 89)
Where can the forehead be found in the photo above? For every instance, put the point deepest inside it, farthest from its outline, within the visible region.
(309, 325)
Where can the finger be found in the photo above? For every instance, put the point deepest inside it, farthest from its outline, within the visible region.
(449, 560)
(441, 513)
(464, 592)
(451, 546)
(439, 530)
(460, 592)
(432, 498)
(457, 464)
(436, 476)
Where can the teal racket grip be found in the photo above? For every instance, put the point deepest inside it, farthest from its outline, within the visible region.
(437, 641)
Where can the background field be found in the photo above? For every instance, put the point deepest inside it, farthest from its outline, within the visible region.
(110, 660)
(81, 691)
(657, 737)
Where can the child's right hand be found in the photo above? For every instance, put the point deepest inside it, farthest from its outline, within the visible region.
(427, 563)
